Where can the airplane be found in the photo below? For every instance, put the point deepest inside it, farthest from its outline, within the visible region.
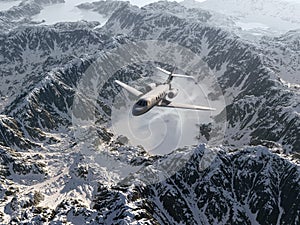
(157, 96)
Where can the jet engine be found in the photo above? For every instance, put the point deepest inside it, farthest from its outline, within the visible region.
(150, 87)
(172, 93)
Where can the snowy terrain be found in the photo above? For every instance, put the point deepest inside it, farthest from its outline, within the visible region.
(59, 165)
(67, 12)
(259, 17)
(4, 5)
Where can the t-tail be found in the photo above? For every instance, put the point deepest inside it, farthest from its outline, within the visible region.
(171, 75)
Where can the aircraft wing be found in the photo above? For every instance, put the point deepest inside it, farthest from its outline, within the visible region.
(186, 106)
(129, 89)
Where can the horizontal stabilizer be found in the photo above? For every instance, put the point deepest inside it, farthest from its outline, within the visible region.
(184, 76)
(164, 71)
(175, 74)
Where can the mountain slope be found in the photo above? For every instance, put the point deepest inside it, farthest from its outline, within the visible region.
(49, 175)
(22, 13)
(249, 83)
(257, 188)
(256, 16)
(28, 53)
(283, 56)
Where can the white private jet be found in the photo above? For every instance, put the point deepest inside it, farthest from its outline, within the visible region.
(157, 96)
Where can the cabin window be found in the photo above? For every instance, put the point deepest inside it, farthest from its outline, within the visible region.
(142, 102)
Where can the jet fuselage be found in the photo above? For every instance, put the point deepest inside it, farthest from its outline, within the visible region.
(150, 99)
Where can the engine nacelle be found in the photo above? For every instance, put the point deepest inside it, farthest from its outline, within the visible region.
(172, 93)
(150, 86)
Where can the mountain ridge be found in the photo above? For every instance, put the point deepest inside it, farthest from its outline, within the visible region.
(48, 175)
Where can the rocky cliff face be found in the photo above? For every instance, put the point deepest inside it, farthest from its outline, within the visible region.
(47, 175)
(28, 53)
(245, 187)
(104, 7)
(282, 56)
(250, 186)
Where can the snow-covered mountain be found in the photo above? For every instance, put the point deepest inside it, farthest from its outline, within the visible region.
(251, 186)
(103, 7)
(246, 187)
(49, 175)
(22, 13)
(283, 55)
(256, 16)
(26, 57)
(249, 83)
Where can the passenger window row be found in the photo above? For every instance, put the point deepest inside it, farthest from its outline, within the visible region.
(143, 102)
(160, 95)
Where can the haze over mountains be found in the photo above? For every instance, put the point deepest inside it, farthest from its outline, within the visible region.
(256, 17)
(51, 174)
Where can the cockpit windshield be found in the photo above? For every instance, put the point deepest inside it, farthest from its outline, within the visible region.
(142, 102)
